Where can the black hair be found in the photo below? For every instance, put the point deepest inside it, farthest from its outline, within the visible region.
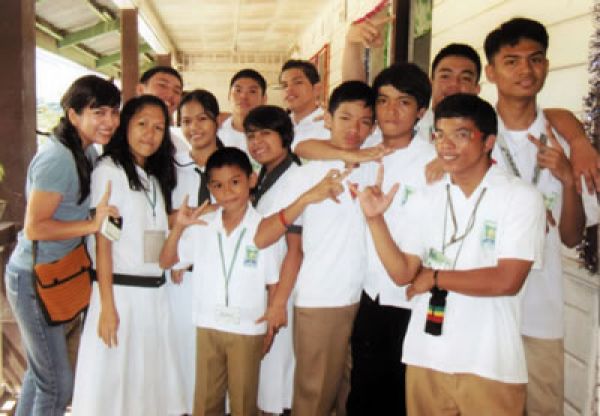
(458, 49)
(407, 78)
(274, 118)
(88, 91)
(228, 156)
(511, 32)
(352, 91)
(306, 67)
(160, 164)
(160, 70)
(206, 99)
(471, 107)
(252, 74)
(208, 102)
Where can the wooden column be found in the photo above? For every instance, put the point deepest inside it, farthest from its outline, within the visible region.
(163, 59)
(129, 53)
(17, 101)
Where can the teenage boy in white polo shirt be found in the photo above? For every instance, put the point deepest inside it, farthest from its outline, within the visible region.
(302, 89)
(377, 380)
(328, 284)
(247, 90)
(470, 240)
(517, 64)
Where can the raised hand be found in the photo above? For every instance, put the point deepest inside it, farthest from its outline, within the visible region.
(551, 156)
(329, 187)
(369, 154)
(103, 209)
(187, 216)
(368, 32)
(373, 201)
(434, 171)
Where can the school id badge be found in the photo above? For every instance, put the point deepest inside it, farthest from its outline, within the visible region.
(251, 257)
(437, 260)
(227, 315)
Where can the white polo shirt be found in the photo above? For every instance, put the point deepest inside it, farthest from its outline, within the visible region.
(333, 240)
(230, 137)
(407, 167)
(481, 334)
(138, 216)
(188, 180)
(179, 141)
(232, 307)
(543, 314)
(309, 128)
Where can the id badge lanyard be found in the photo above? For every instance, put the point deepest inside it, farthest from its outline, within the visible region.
(151, 201)
(227, 271)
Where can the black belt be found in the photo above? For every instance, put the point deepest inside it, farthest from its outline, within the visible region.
(135, 280)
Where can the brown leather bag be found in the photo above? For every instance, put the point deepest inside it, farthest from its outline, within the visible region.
(64, 286)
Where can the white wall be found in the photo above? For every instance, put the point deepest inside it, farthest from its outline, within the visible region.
(569, 25)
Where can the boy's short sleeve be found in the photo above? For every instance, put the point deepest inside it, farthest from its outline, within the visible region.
(408, 229)
(53, 170)
(270, 265)
(522, 234)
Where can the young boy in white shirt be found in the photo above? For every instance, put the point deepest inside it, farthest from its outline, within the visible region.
(230, 277)
(470, 240)
(529, 148)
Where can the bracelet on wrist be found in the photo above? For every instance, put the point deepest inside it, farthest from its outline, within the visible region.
(435, 279)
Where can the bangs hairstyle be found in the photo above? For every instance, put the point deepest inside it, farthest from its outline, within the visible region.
(407, 78)
(352, 91)
(511, 32)
(88, 91)
(206, 99)
(228, 156)
(160, 70)
(461, 50)
(160, 164)
(305, 66)
(470, 107)
(251, 74)
(271, 117)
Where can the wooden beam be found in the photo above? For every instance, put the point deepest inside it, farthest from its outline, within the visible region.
(116, 57)
(89, 33)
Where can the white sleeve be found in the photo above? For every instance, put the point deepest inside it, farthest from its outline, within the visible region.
(523, 229)
(408, 229)
(103, 174)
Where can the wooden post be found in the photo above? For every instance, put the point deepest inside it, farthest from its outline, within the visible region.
(129, 53)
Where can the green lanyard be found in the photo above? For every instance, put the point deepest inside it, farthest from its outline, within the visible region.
(227, 273)
(151, 202)
(510, 161)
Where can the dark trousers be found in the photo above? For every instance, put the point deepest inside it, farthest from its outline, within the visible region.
(377, 380)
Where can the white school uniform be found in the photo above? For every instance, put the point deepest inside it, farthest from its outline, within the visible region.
(179, 140)
(407, 167)
(230, 137)
(180, 295)
(231, 305)
(480, 334)
(309, 128)
(543, 315)
(333, 240)
(140, 376)
(276, 381)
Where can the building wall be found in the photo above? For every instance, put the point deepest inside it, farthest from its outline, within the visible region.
(569, 25)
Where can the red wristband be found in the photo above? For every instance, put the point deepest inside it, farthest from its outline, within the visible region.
(281, 216)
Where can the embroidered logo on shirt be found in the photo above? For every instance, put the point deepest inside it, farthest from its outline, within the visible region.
(435, 259)
(488, 237)
(251, 256)
(550, 200)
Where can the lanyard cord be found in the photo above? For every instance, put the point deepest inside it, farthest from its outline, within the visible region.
(227, 273)
(468, 229)
(151, 202)
(510, 161)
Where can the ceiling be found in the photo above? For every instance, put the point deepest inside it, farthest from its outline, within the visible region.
(193, 31)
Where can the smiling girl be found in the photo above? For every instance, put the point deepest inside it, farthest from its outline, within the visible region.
(127, 365)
